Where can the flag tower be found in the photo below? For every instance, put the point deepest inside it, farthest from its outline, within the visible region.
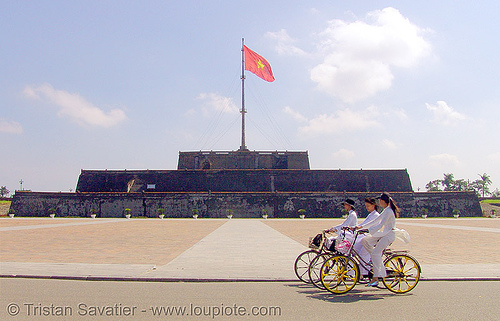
(243, 111)
(258, 65)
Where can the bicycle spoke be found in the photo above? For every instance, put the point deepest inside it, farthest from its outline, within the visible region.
(402, 273)
(339, 274)
(302, 274)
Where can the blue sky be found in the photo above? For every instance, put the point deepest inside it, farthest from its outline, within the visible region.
(359, 84)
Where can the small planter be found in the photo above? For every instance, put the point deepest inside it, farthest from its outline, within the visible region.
(230, 216)
(195, 216)
(264, 216)
(456, 215)
(127, 216)
(127, 213)
(424, 215)
(11, 215)
(161, 216)
(302, 216)
(52, 215)
(302, 213)
(92, 215)
(344, 216)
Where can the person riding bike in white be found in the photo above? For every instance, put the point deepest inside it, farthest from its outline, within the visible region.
(371, 207)
(350, 221)
(381, 235)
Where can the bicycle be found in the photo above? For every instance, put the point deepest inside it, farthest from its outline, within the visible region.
(303, 261)
(340, 273)
(319, 260)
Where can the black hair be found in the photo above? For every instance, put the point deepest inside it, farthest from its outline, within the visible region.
(386, 197)
(371, 200)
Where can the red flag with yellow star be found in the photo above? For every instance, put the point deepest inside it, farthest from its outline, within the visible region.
(258, 65)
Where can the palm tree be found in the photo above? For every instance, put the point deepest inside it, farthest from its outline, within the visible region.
(448, 182)
(484, 182)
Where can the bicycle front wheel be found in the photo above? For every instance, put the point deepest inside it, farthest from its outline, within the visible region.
(403, 273)
(302, 265)
(315, 269)
(339, 274)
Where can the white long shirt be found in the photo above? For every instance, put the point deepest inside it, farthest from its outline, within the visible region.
(373, 215)
(350, 221)
(383, 224)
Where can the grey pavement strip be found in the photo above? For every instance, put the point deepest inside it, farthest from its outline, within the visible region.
(145, 272)
(77, 270)
(453, 227)
(37, 226)
(239, 249)
(460, 271)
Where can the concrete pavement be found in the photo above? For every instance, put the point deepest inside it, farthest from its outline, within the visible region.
(222, 250)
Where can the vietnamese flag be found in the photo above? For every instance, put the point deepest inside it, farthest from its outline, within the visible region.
(258, 65)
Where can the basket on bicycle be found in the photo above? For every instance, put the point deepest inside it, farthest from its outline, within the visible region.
(315, 242)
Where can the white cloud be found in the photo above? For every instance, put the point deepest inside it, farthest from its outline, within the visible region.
(10, 127)
(215, 102)
(75, 107)
(389, 144)
(343, 154)
(494, 157)
(444, 160)
(284, 44)
(344, 120)
(358, 56)
(444, 114)
(295, 114)
(401, 114)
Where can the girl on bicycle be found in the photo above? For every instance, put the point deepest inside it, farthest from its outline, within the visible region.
(350, 221)
(371, 207)
(381, 235)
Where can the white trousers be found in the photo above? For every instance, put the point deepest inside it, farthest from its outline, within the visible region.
(376, 246)
(363, 253)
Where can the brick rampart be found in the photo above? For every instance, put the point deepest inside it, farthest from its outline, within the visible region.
(248, 204)
(227, 180)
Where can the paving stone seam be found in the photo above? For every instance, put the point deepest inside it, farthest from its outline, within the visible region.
(40, 226)
(454, 227)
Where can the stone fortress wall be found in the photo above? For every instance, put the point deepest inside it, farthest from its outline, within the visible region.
(242, 204)
(245, 183)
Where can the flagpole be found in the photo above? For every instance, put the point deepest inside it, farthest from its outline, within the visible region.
(243, 111)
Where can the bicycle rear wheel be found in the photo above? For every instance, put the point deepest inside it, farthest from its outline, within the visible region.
(302, 265)
(339, 274)
(315, 269)
(403, 273)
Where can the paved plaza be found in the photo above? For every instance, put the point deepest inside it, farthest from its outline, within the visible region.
(222, 249)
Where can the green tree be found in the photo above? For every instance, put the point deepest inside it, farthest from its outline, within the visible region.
(448, 182)
(460, 185)
(483, 184)
(4, 192)
(434, 186)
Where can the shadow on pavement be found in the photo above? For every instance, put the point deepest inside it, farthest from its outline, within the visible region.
(355, 295)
